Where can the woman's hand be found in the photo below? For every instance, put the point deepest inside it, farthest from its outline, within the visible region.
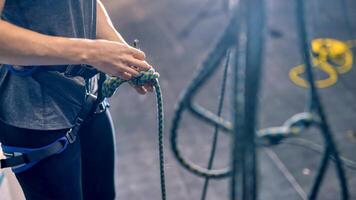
(117, 59)
(121, 60)
(106, 30)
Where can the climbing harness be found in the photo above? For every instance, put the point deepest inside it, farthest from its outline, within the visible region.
(21, 159)
(247, 47)
(110, 86)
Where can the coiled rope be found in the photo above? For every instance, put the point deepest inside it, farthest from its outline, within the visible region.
(110, 86)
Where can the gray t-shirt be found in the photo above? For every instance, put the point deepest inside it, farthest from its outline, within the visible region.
(45, 100)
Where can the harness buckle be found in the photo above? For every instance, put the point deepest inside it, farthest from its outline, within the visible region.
(70, 136)
(102, 107)
(12, 154)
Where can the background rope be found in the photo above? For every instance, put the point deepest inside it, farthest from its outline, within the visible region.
(315, 106)
(216, 128)
(313, 116)
(185, 102)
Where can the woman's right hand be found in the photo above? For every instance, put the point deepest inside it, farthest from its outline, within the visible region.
(117, 59)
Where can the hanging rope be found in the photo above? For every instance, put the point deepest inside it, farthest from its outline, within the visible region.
(216, 128)
(316, 107)
(110, 86)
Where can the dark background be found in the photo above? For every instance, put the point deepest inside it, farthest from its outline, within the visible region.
(157, 23)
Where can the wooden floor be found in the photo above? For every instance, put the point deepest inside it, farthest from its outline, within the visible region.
(158, 23)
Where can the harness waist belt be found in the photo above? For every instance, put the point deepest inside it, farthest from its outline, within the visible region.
(21, 159)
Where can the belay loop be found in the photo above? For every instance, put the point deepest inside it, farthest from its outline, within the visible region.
(108, 89)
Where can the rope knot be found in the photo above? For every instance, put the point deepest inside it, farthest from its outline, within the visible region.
(144, 77)
(111, 84)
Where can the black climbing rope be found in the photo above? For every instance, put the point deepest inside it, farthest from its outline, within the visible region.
(216, 128)
(315, 106)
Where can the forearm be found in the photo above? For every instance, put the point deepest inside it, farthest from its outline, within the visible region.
(19, 46)
(105, 29)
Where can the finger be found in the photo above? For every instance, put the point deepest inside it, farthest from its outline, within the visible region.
(139, 64)
(130, 70)
(125, 76)
(141, 90)
(149, 87)
(136, 53)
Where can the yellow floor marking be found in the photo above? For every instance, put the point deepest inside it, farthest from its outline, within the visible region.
(333, 57)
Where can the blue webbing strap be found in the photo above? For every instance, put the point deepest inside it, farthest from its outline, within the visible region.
(21, 159)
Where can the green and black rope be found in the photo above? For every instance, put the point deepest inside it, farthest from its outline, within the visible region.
(110, 86)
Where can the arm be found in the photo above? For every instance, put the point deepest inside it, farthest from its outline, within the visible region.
(19, 46)
(106, 30)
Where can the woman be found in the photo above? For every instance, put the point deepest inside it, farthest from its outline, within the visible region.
(50, 49)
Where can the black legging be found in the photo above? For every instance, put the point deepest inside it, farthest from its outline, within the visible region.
(85, 170)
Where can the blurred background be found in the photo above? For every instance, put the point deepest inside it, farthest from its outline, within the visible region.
(176, 37)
